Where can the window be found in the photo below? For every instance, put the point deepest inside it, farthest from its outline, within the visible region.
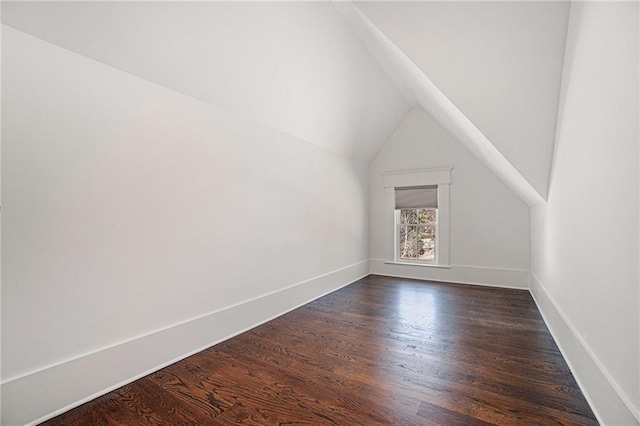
(418, 217)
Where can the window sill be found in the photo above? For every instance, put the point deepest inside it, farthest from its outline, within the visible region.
(428, 265)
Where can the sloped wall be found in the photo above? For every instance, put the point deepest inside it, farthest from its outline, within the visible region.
(142, 224)
(489, 224)
(499, 63)
(293, 66)
(585, 240)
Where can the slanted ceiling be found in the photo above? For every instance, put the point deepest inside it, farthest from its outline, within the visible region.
(490, 72)
(295, 67)
(343, 75)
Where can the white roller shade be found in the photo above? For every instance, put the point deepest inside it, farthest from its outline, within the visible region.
(417, 197)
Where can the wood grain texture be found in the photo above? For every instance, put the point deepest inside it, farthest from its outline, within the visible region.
(379, 351)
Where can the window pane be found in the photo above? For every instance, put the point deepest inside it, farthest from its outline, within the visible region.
(426, 242)
(408, 242)
(408, 216)
(429, 216)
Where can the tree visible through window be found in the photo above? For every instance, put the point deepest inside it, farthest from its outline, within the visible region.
(417, 233)
(417, 217)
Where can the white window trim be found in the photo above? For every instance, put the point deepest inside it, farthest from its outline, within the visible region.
(440, 176)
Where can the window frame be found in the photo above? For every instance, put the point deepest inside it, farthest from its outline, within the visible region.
(440, 177)
(398, 225)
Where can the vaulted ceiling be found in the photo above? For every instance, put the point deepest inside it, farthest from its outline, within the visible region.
(296, 67)
(343, 75)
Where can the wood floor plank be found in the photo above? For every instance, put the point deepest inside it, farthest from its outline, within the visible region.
(437, 415)
(379, 351)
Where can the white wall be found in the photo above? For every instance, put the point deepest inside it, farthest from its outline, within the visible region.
(296, 67)
(0, 224)
(420, 91)
(499, 63)
(585, 240)
(489, 224)
(130, 208)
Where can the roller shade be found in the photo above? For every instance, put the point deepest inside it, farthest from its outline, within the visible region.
(417, 197)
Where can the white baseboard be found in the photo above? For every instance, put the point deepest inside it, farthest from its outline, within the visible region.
(608, 402)
(493, 277)
(43, 394)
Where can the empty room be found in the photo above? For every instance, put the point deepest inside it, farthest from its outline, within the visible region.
(320, 212)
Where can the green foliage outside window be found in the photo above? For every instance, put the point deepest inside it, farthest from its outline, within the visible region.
(418, 234)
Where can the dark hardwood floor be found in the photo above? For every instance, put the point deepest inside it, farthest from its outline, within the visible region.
(379, 351)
